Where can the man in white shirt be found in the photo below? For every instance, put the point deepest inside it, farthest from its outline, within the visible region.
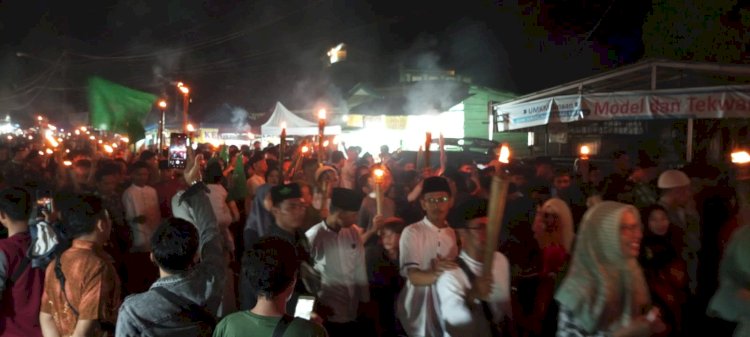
(473, 304)
(339, 256)
(428, 248)
(143, 216)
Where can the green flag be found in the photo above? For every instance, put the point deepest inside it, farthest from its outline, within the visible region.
(224, 154)
(238, 182)
(117, 108)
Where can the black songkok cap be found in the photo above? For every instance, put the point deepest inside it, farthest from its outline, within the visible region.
(280, 193)
(346, 199)
(435, 184)
(469, 209)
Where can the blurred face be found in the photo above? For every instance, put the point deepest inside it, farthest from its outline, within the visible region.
(390, 240)
(81, 174)
(474, 236)
(436, 205)
(347, 218)
(595, 176)
(307, 196)
(274, 177)
(658, 222)
(107, 185)
(289, 214)
(260, 167)
(140, 176)
(630, 235)
(562, 182)
(518, 179)
(544, 222)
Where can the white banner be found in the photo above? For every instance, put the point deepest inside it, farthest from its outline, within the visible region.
(700, 103)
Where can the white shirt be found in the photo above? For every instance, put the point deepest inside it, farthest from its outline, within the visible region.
(467, 319)
(340, 259)
(421, 243)
(218, 198)
(141, 201)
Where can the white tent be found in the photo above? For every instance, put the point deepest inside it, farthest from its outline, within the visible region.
(295, 125)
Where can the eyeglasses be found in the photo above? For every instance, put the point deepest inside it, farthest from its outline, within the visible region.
(437, 200)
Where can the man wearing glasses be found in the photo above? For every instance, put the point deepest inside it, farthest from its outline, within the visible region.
(470, 303)
(428, 248)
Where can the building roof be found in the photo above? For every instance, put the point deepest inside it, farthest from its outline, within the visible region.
(649, 74)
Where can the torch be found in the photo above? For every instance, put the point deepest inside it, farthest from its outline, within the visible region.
(162, 120)
(321, 131)
(583, 166)
(378, 173)
(427, 142)
(282, 151)
(185, 101)
(741, 161)
(496, 209)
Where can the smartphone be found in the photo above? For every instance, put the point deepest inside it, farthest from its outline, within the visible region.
(305, 305)
(177, 154)
(43, 203)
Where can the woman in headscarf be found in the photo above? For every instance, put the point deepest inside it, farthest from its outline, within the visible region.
(664, 269)
(604, 292)
(553, 231)
(732, 300)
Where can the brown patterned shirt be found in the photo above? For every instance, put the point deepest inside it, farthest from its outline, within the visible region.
(91, 285)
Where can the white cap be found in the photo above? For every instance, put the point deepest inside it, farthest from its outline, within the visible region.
(672, 179)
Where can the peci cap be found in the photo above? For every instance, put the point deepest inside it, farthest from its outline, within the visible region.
(346, 199)
(469, 209)
(279, 193)
(672, 179)
(435, 184)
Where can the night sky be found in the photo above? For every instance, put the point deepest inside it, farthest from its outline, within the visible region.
(250, 54)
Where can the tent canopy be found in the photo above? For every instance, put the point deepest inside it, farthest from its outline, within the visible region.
(295, 125)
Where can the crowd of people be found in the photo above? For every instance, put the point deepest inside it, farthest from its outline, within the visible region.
(243, 240)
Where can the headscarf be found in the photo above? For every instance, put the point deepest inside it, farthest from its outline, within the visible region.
(734, 276)
(564, 233)
(260, 219)
(603, 288)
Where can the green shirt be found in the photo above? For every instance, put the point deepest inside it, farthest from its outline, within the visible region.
(245, 323)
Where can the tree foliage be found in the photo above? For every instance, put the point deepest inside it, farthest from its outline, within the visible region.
(698, 30)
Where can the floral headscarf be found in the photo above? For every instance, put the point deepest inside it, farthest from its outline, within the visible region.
(603, 288)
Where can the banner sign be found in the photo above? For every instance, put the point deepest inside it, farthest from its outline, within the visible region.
(700, 103)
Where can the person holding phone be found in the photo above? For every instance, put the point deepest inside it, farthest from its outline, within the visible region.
(272, 269)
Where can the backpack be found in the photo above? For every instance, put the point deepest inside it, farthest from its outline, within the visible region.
(47, 242)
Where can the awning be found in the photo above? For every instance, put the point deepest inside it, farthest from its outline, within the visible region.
(699, 103)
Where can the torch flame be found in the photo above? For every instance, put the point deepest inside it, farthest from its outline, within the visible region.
(67, 163)
(378, 173)
(162, 104)
(325, 143)
(504, 154)
(126, 140)
(740, 157)
(185, 90)
(322, 114)
(108, 148)
(305, 149)
(585, 150)
(190, 128)
(49, 151)
(283, 125)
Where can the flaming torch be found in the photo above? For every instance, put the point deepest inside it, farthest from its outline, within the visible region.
(427, 142)
(282, 150)
(496, 208)
(741, 161)
(584, 152)
(321, 131)
(378, 173)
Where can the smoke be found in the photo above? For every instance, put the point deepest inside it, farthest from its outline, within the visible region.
(239, 118)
